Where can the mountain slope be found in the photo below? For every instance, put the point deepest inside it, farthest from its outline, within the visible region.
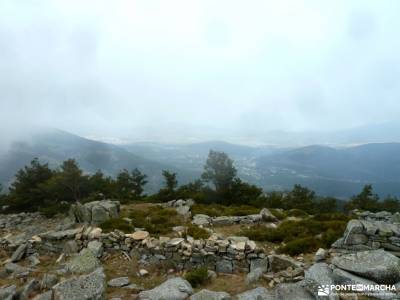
(335, 171)
(54, 146)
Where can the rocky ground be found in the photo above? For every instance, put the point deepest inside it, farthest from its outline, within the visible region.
(72, 258)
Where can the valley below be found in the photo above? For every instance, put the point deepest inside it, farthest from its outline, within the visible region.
(338, 171)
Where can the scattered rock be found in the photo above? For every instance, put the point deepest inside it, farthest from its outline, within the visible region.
(201, 220)
(84, 287)
(320, 255)
(280, 262)
(34, 261)
(119, 282)
(30, 287)
(8, 293)
(211, 275)
(259, 293)
(298, 291)
(70, 247)
(143, 272)
(95, 233)
(179, 229)
(223, 221)
(48, 281)
(96, 247)
(254, 276)
(16, 270)
(174, 242)
(172, 289)
(184, 211)
(210, 295)
(19, 253)
(45, 296)
(139, 235)
(267, 216)
(134, 287)
(60, 235)
(84, 262)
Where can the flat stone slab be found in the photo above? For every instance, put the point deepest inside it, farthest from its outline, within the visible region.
(119, 282)
(174, 242)
(85, 287)
(84, 262)
(172, 289)
(138, 235)
(377, 265)
(259, 293)
(210, 295)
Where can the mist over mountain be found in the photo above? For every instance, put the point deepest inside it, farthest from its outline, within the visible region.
(339, 170)
(176, 133)
(54, 146)
(331, 171)
(153, 86)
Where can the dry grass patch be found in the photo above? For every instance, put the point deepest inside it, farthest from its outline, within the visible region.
(117, 266)
(128, 208)
(153, 218)
(216, 210)
(230, 283)
(229, 230)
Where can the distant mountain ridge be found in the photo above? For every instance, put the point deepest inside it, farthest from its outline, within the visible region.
(55, 146)
(378, 132)
(334, 171)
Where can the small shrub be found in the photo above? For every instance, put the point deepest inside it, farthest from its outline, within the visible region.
(291, 230)
(300, 233)
(337, 216)
(329, 237)
(156, 220)
(197, 276)
(54, 209)
(212, 210)
(197, 232)
(118, 223)
(278, 213)
(261, 233)
(303, 245)
(216, 210)
(241, 210)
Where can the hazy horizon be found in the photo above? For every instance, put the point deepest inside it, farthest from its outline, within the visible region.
(194, 71)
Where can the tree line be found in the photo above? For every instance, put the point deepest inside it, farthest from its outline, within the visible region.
(37, 187)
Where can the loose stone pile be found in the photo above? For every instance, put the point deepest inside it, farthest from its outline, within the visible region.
(223, 255)
(264, 216)
(360, 257)
(20, 220)
(371, 231)
(181, 206)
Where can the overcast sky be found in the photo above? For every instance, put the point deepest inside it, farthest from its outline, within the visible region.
(124, 68)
